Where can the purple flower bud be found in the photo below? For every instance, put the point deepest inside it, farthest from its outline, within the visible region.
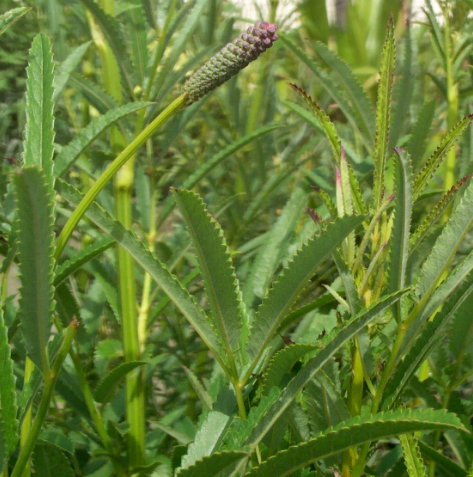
(230, 60)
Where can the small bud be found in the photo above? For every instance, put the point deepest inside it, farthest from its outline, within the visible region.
(230, 60)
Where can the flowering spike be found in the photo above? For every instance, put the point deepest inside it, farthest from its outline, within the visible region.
(230, 60)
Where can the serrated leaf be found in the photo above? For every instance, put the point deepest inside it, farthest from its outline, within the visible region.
(434, 161)
(427, 340)
(137, 33)
(383, 112)
(198, 388)
(8, 407)
(34, 204)
(107, 386)
(8, 18)
(412, 458)
(216, 268)
(358, 97)
(332, 88)
(324, 121)
(210, 164)
(168, 282)
(49, 461)
(349, 284)
(447, 465)
(85, 255)
(434, 215)
(112, 31)
(400, 232)
(87, 135)
(97, 97)
(308, 372)
(282, 363)
(420, 131)
(446, 246)
(353, 433)
(271, 252)
(58, 438)
(212, 465)
(285, 291)
(67, 68)
(39, 133)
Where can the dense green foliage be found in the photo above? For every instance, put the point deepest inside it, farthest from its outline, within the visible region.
(273, 280)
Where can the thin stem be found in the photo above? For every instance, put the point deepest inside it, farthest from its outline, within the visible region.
(26, 424)
(113, 168)
(49, 383)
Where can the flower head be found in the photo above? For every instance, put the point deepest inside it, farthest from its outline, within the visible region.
(230, 60)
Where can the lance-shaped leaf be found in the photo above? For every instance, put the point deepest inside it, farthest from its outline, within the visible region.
(87, 135)
(434, 161)
(213, 465)
(67, 68)
(39, 133)
(284, 293)
(446, 246)
(383, 111)
(216, 268)
(95, 95)
(358, 97)
(353, 433)
(427, 340)
(447, 465)
(419, 133)
(34, 204)
(163, 277)
(412, 457)
(435, 213)
(400, 232)
(8, 408)
(324, 121)
(7, 19)
(50, 461)
(308, 372)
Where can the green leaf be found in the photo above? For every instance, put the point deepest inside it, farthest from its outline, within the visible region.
(358, 97)
(57, 438)
(8, 408)
(420, 131)
(85, 255)
(437, 36)
(447, 465)
(87, 135)
(216, 268)
(414, 463)
(332, 88)
(434, 215)
(446, 246)
(39, 133)
(108, 385)
(112, 31)
(324, 121)
(49, 461)
(209, 164)
(34, 204)
(67, 68)
(307, 373)
(353, 433)
(400, 232)
(7, 19)
(349, 284)
(198, 388)
(424, 176)
(178, 436)
(136, 27)
(429, 337)
(383, 112)
(212, 465)
(97, 97)
(282, 363)
(270, 254)
(168, 282)
(284, 293)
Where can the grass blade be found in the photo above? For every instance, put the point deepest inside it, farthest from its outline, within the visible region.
(39, 134)
(34, 204)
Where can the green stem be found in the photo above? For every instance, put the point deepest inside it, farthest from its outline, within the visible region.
(49, 383)
(26, 424)
(113, 168)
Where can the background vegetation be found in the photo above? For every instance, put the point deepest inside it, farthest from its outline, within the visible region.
(292, 295)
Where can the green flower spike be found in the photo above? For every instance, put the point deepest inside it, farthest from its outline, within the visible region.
(230, 60)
